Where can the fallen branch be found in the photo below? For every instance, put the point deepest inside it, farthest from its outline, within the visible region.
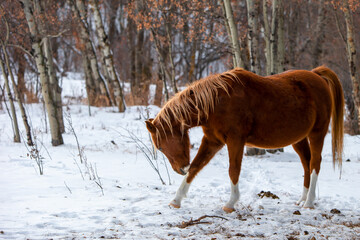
(198, 221)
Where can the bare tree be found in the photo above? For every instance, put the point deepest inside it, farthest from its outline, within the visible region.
(108, 58)
(56, 137)
(17, 95)
(48, 59)
(352, 59)
(95, 81)
(234, 38)
(277, 37)
(12, 106)
(252, 8)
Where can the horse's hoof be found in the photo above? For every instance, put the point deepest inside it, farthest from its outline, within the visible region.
(309, 206)
(174, 205)
(228, 210)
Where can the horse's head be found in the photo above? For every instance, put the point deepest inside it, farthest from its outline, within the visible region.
(174, 144)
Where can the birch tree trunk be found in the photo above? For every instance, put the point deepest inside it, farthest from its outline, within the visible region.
(108, 58)
(12, 106)
(54, 82)
(352, 59)
(56, 137)
(79, 9)
(267, 38)
(252, 6)
(18, 98)
(234, 38)
(47, 49)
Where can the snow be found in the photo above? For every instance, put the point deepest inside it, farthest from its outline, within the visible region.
(62, 205)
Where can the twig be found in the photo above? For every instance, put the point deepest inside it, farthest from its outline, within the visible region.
(67, 187)
(192, 222)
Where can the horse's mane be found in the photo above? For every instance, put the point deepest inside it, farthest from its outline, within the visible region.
(199, 99)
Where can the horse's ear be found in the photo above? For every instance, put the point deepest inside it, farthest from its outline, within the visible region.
(150, 126)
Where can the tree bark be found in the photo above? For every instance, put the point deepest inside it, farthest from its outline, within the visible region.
(12, 106)
(21, 76)
(274, 38)
(234, 38)
(281, 40)
(267, 38)
(352, 58)
(319, 35)
(161, 63)
(79, 9)
(252, 6)
(108, 58)
(172, 66)
(48, 59)
(56, 137)
(18, 99)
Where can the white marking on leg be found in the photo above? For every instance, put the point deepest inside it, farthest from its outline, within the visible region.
(309, 203)
(234, 196)
(303, 196)
(181, 193)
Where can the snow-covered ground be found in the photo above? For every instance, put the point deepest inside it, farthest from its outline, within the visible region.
(62, 205)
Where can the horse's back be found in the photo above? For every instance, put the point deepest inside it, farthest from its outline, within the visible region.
(277, 110)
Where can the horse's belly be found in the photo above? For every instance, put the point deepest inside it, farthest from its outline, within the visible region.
(280, 133)
(274, 143)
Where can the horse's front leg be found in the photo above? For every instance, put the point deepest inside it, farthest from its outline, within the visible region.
(207, 150)
(236, 149)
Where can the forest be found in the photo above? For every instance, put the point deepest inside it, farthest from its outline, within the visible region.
(167, 44)
(78, 79)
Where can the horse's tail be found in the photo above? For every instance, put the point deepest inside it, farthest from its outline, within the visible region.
(337, 111)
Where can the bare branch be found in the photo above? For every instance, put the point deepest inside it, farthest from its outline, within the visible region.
(198, 221)
(21, 48)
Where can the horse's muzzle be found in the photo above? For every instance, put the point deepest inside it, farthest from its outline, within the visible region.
(184, 170)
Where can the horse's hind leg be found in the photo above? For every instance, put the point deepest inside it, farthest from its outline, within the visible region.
(316, 140)
(236, 149)
(303, 150)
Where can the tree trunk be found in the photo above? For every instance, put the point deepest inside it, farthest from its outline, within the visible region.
(48, 59)
(252, 7)
(108, 58)
(18, 99)
(319, 35)
(233, 33)
(253, 49)
(352, 59)
(54, 83)
(12, 106)
(172, 66)
(21, 76)
(281, 40)
(227, 30)
(56, 137)
(79, 10)
(158, 91)
(161, 63)
(267, 38)
(274, 38)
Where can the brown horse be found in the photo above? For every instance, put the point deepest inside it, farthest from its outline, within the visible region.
(239, 108)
